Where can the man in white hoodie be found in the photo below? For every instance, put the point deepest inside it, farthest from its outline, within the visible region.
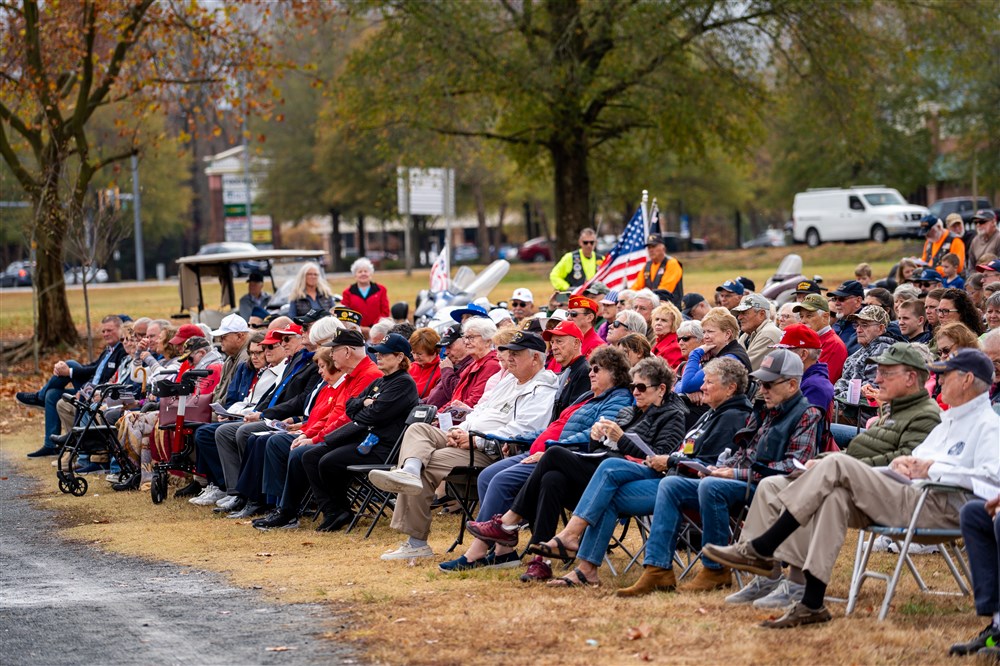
(521, 403)
(841, 492)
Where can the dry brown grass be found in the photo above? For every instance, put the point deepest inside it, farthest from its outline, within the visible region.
(414, 615)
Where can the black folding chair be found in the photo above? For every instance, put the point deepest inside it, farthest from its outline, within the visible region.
(370, 500)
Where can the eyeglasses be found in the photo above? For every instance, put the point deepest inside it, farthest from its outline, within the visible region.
(256, 353)
(865, 324)
(944, 311)
(841, 299)
(267, 347)
(258, 326)
(575, 313)
(618, 324)
(594, 369)
(518, 304)
(982, 221)
(767, 386)
(470, 337)
(588, 242)
(945, 351)
(925, 285)
(640, 387)
(682, 338)
(887, 375)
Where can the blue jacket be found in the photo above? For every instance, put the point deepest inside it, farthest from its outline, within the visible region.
(845, 330)
(816, 386)
(576, 432)
(239, 385)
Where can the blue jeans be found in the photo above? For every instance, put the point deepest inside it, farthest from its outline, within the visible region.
(712, 497)
(843, 434)
(278, 446)
(982, 536)
(618, 488)
(209, 464)
(51, 393)
(499, 483)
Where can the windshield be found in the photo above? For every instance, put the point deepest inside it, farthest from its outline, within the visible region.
(884, 199)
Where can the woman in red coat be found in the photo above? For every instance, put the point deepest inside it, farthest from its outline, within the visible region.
(666, 318)
(426, 366)
(365, 296)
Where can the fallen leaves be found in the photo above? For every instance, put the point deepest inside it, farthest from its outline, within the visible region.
(264, 554)
(635, 633)
(280, 648)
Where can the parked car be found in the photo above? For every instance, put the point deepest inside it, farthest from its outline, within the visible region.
(770, 238)
(853, 214)
(74, 275)
(465, 252)
(537, 250)
(964, 206)
(240, 268)
(18, 274)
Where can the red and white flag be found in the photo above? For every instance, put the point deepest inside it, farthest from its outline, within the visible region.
(440, 275)
(626, 259)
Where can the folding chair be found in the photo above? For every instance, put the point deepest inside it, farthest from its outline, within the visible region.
(462, 482)
(945, 539)
(372, 501)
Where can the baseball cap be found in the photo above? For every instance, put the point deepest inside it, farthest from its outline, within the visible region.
(584, 302)
(779, 363)
(452, 335)
(470, 309)
(347, 315)
(255, 277)
(259, 312)
(291, 329)
(610, 298)
(927, 275)
(558, 315)
(270, 338)
(928, 221)
(871, 313)
(753, 302)
(193, 344)
(186, 331)
(596, 288)
(809, 287)
(654, 239)
(346, 338)
(394, 343)
(993, 266)
(953, 218)
(966, 360)
(813, 302)
(849, 288)
(232, 323)
(984, 215)
(901, 353)
(799, 336)
(313, 315)
(524, 340)
(747, 283)
(689, 301)
(497, 315)
(733, 286)
(564, 328)
(522, 294)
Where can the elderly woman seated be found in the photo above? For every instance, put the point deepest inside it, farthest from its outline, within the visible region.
(622, 487)
(654, 425)
(500, 482)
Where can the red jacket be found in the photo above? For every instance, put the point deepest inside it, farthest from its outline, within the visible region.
(372, 308)
(591, 341)
(833, 353)
(472, 381)
(321, 411)
(354, 384)
(669, 350)
(426, 376)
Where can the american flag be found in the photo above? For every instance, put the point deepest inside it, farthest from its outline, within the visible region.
(439, 271)
(625, 259)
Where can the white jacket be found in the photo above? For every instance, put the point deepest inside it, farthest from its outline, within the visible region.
(965, 444)
(513, 409)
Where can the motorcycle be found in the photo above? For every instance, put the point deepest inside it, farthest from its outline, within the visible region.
(780, 287)
(433, 309)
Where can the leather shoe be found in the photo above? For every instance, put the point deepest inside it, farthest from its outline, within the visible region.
(130, 483)
(797, 616)
(44, 451)
(29, 399)
(59, 440)
(336, 522)
(250, 510)
(708, 580)
(651, 580)
(740, 555)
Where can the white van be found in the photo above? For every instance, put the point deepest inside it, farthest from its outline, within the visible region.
(853, 214)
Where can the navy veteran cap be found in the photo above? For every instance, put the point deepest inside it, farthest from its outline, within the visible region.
(849, 288)
(524, 340)
(346, 337)
(348, 315)
(394, 343)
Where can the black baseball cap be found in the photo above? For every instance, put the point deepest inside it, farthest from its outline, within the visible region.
(312, 316)
(346, 338)
(394, 343)
(809, 287)
(524, 340)
(966, 360)
(849, 288)
(690, 300)
(451, 336)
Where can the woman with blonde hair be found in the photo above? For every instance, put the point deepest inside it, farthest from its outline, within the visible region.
(665, 319)
(720, 333)
(310, 291)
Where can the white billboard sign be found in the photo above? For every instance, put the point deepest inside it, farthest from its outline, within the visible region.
(426, 191)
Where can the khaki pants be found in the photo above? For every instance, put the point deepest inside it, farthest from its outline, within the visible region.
(839, 493)
(427, 443)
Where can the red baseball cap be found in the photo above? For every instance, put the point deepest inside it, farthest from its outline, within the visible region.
(799, 336)
(186, 331)
(291, 329)
(584, 302)
(564, 328)
(269, 339)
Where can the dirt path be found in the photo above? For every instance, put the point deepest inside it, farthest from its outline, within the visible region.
(69, 603)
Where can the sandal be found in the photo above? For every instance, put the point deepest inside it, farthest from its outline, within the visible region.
(561, 552)
(572, 579)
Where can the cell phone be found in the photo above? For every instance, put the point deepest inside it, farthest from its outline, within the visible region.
(562, 297)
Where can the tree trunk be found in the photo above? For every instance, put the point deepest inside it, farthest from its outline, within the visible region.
(572, 190)
(55, 323)
(335, 242)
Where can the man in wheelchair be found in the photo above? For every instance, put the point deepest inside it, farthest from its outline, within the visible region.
(520, 403)
(841, 492)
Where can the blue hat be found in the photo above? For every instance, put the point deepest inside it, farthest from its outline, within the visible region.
(966, 360)
(394, 343)
(927, 275)
(610, 298)
(470, 309)
(849, 288)
(928, 221)
(259, 312)
(992, 266)
(125, 318)
(734, 286)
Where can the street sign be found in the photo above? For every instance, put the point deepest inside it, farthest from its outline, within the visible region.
(426, 191)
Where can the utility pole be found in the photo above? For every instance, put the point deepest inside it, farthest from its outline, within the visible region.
(140, 259)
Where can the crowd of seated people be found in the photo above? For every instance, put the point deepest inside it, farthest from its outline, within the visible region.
(731, 413)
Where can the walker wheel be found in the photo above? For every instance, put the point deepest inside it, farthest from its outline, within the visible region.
(79, 488)
(66, 485)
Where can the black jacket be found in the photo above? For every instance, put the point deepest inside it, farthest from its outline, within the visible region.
(574, 381)
(85, 374)
(294, 397)
(395, 395)
(718, 426)
(736, 350)
(661, 428)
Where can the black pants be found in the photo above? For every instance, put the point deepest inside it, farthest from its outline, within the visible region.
(557, 483)
(326, 469)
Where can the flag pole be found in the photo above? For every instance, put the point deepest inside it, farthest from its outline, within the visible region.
(645, 211)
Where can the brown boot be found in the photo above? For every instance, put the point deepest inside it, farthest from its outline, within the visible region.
(708, 580)
(651, 580)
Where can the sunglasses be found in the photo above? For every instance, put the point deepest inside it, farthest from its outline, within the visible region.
(769, 385)
(841, 299)
(945, 351)
(982, 221)
(640, 387)
(618, 324)
(518, 304)
(682, 338)
(594, 369)
(575, 313)
(925, 285)
(258, 326)
(588, 242)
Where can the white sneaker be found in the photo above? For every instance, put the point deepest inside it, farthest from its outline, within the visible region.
(884, 544)
(227, 501)
(396, 481)
(209, 496)
(407, 552)
(758, 588)
(784, 595)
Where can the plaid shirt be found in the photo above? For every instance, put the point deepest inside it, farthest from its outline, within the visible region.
(802, 445)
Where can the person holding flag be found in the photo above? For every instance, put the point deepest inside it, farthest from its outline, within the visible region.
(661, 272)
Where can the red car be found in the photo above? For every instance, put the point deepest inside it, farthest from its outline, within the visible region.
(537, 250)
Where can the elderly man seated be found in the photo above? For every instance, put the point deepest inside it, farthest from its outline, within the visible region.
(520, 404)
(788, 429)
(870, 323)
(906, 415)
(841, 492)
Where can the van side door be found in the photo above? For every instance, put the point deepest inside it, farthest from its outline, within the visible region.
(855, 220)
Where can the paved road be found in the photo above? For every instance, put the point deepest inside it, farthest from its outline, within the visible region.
(69, 603)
